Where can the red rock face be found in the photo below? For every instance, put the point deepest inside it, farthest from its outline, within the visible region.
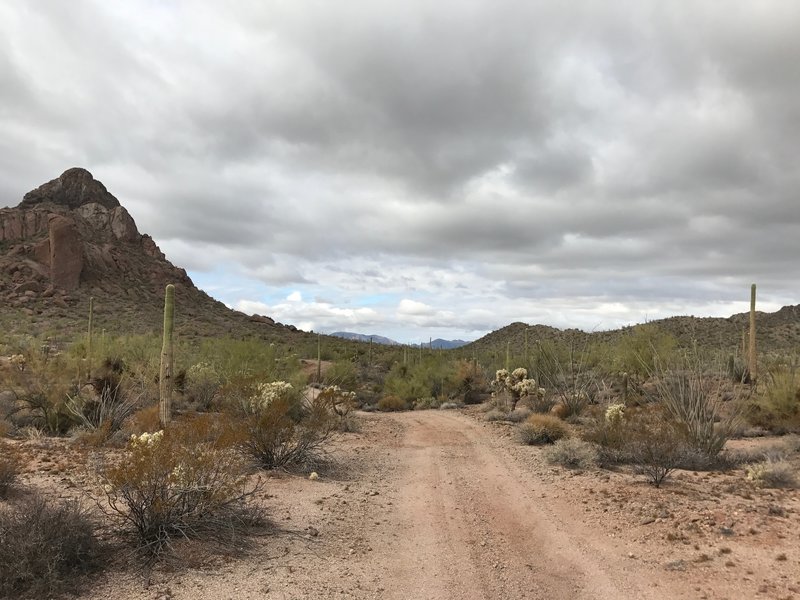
(66, 253)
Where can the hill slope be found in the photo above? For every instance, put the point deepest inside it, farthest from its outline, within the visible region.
(69, 240)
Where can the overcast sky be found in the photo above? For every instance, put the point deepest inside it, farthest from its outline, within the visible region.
(428, 169)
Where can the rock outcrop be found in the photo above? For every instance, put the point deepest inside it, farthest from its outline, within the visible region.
(71, 239)
(75, 188)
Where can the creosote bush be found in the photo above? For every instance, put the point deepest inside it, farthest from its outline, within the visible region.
(286, 433)
(541, 429)
(45, 547)
(186, 482)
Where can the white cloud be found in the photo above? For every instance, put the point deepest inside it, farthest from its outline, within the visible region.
(588, 163)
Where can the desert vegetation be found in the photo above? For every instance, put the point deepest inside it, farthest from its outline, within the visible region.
(176, 435)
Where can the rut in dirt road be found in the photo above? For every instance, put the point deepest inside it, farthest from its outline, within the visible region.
(468, 525)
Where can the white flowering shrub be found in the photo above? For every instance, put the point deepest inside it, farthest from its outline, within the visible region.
(186, 482)
(267, 394)
(18, 361)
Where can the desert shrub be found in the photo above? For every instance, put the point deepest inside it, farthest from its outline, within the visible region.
(656, 447)
(495, 415)
(45, 548)
(689, 400)
(644, 349)
(9, 467)
(426, 403)
(187, 482)
(202, 385)
(450, 405)
(144, 420)
(778, 406)
(772, 473)
(282, 435)
(40, 384)
(342, 373)
(518, 415)
(541, 429)
(391, 404)
(111, 402)
(573, 453)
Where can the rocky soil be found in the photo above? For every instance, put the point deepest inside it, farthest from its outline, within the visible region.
(441, 504)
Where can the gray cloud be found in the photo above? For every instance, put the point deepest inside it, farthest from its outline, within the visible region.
(623, 156)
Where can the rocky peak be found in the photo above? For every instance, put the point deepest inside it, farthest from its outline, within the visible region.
(74, 188)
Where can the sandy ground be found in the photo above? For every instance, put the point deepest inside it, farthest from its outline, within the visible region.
(441, 505)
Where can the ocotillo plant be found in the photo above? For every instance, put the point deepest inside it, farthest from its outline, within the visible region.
(751, 362)
(165, 375)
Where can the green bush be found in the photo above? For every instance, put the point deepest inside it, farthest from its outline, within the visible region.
(283, 435)
(45, 548)
(778, 406)
(541, 429)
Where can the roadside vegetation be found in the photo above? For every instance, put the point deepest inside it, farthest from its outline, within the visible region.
(639, 402)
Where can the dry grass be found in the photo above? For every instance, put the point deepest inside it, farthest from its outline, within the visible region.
(45, 548)
(541, 429)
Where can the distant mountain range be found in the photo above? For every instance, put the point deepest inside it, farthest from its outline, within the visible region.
(379, 339)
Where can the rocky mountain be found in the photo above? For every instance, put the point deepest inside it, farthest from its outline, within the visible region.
(70, 239)
(440, 344)
(361, 337)
(776, 332)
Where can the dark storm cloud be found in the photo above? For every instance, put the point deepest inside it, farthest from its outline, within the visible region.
(587, 150)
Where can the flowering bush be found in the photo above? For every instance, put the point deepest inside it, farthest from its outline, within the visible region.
(268, 393)
(18, 361)
(185, 482)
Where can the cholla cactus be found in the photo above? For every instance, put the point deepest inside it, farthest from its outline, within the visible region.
(340, 401)
(18, 360)
(615, 413)
(146, 439)
(516, 384)
(266, 394)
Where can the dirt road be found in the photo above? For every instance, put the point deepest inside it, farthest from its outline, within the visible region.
(437, 505)
(470, 525)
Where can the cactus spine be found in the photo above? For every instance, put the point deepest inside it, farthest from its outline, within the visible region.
(89, 339)
(165, 377)
(751, 361)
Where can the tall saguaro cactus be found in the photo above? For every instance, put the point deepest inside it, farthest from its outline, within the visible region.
(89, 339)
(752, 366)
(165, 376)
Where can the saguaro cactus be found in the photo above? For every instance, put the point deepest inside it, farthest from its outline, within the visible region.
(752, 366)
(165, 376)
(89, 340)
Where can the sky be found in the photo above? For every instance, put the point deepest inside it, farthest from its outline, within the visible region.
(422, 169)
